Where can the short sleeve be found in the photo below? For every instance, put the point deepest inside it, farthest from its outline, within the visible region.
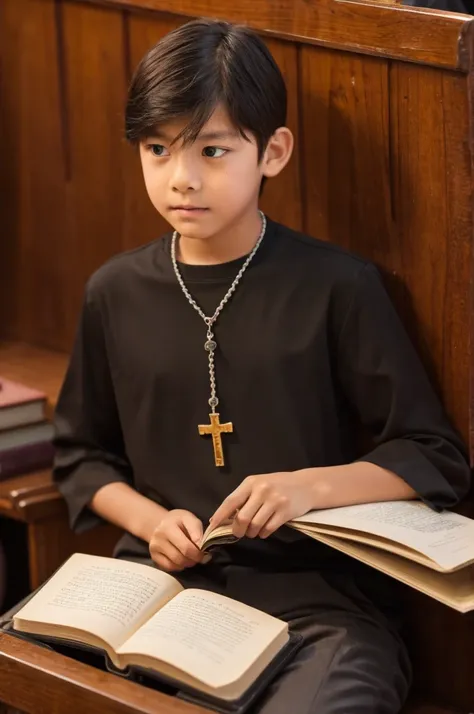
(384, 380)
(88, 437)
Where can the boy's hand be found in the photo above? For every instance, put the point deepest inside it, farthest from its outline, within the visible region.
(261, 504)
(173, 545)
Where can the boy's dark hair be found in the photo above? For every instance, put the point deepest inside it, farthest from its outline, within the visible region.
(198, 66)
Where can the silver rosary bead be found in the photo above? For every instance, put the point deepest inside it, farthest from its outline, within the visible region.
(215, 429)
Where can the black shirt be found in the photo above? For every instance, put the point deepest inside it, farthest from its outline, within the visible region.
(309, 347)
(463, 6)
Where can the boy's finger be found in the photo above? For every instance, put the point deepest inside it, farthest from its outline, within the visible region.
(185, 545)
(192, 526)
(245, 516)
(164, 564)
(260, 519)
(170, 551)
(231, 504)
(275, 522)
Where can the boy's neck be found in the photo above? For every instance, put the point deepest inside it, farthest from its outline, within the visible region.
(223, 247)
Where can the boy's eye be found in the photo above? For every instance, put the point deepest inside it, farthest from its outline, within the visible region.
(212, 152)
(157, 149)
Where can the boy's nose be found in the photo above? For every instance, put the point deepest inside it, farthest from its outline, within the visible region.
(185, 177)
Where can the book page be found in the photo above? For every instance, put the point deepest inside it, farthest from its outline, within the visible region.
(106, 597)
(212, 637)
(447, 538)
(455, 590)
(221, 535)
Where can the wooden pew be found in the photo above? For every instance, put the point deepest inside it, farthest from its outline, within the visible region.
(380, 106)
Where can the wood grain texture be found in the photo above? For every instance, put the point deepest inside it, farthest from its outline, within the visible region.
(34, 500)
(441, 647)
(433, 213)
(32, 173)
(95, 196)
(31, 675)
(283, 196)
(344, 108)
(17, 494)
(413, 34)
(9, 174)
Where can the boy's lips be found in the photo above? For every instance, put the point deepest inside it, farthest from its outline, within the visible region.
(189, 209)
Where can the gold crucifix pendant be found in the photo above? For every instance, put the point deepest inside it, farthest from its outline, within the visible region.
(216, 429)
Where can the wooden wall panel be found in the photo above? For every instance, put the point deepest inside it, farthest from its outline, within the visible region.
(33, 240)
(9, 173)
(62, 93)
(441, 647)
(344, 107)
(146, 30)
(283, 197)
(434, 215)
(95, 79)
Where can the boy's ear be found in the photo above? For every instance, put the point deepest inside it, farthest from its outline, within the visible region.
(278, 152)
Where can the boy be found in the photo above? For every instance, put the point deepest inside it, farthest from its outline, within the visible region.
(222, 370)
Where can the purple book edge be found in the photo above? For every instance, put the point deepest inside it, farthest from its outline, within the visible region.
(23, 459)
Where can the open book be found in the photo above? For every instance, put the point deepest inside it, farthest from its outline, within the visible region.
(142, 618)
(432, 552)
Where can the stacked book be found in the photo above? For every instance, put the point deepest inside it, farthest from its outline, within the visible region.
(25, 432)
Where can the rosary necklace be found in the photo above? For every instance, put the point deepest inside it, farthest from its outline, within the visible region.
(215, 429)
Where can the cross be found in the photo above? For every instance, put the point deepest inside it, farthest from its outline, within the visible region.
(215, 428)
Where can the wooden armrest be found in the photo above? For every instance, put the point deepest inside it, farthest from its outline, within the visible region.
(35, 500)
(30, 674)
(31, 497)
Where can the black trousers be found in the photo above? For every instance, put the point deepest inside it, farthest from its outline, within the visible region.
(353, 660)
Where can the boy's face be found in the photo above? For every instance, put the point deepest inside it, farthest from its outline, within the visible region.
(204, 188)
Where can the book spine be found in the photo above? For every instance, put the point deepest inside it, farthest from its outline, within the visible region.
(26, 458)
